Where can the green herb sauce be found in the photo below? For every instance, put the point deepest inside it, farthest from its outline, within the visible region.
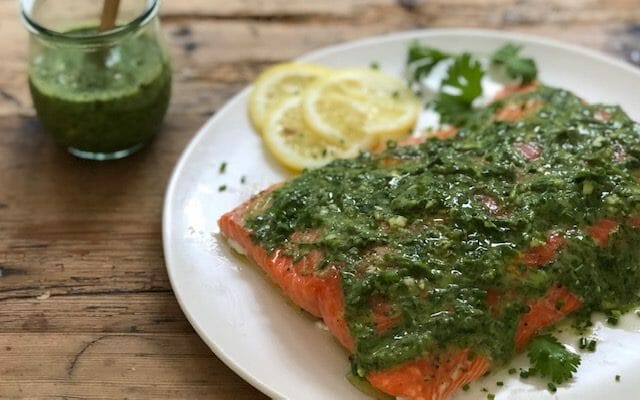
(430, 229)
(105, 100)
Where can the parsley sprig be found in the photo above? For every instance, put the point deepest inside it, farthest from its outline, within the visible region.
(550, 359)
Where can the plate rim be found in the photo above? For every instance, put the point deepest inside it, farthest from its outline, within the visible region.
(170, 192)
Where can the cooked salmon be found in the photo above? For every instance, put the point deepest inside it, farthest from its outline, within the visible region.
(439, 375)
(422, 379)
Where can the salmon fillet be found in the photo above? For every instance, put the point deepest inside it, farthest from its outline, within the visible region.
(422, 379)
(436, 376)
(319, 295)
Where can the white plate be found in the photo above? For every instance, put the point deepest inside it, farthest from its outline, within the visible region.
(246, 320)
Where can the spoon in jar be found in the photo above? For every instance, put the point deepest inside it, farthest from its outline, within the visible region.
(109, 15)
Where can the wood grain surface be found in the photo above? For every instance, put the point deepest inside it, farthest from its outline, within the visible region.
(86, 308)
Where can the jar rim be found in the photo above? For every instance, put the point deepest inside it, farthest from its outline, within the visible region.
(141, 20)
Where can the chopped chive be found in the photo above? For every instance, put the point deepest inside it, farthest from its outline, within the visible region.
(465, 387)
(552, 387)
(617, 378)
(491, 396)
(243, 179)
(223, 167)
(613, 317)
(512, 371)
(500, 383)
(582, 343)
(374, 65)
(222, 188)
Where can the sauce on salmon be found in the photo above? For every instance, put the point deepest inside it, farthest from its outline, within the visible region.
(431, 262)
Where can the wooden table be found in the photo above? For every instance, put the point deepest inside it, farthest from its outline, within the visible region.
(86, 308)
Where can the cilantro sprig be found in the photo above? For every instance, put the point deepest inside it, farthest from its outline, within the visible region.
(517, 67)
(462, 83)
(550, 359)
(459, 89)
(421, 60)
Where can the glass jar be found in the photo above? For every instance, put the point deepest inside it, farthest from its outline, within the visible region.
(102, 94)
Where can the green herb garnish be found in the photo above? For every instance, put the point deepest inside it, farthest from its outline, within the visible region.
(421, 60)
(587, 344)
(582, 343)
(517, 67)
(550, 359)
(613, 317)
(460, 87)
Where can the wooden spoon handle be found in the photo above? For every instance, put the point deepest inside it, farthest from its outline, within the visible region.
(109, 14)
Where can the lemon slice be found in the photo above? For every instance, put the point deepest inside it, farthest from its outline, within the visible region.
(290, 141)
(359, 105)
(278, 83)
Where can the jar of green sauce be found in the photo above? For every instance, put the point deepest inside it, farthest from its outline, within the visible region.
(100, 92)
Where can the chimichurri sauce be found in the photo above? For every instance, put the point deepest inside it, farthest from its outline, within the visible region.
(105, 100)
(429, 230)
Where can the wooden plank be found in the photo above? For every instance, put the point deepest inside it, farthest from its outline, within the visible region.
(108, 366)
(278, 8)
(448, 11)
(226, 388)
(152, 312)
(80, 228)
